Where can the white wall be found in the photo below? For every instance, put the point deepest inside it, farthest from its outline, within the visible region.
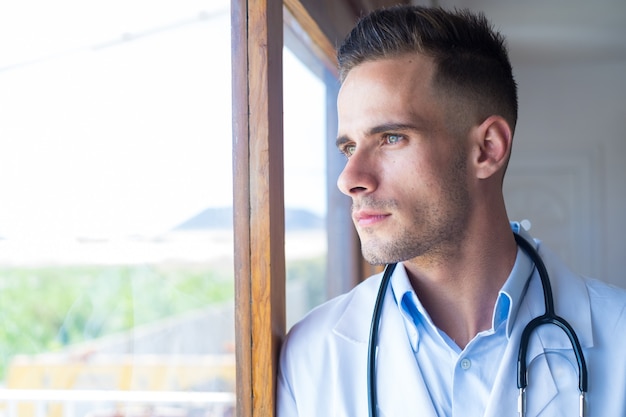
(568, 170)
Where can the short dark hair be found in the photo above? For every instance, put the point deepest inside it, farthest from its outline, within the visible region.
(471, 57)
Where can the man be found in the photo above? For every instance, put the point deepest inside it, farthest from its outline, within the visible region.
(427, 111)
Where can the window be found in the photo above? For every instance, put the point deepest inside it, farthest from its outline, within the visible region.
(312, 165)
(116, 244)
(305, 184)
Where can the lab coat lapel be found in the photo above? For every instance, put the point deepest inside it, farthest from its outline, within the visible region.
(401, 387)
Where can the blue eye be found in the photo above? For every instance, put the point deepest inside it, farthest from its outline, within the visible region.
(348, 150)
(391, 139)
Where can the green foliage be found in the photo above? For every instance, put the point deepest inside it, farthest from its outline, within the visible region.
(45, 309)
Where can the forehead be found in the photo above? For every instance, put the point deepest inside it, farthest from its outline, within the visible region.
(397, 88)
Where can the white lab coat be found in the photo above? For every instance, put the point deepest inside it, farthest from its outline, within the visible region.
(323, 363)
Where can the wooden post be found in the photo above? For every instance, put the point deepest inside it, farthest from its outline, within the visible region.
(259, 227)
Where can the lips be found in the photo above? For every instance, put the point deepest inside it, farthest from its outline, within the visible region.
(365, 218)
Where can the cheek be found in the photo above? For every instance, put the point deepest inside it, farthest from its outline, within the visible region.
(416, 170)
(419, 175)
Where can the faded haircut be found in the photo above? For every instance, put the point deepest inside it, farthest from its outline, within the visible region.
(473, 68)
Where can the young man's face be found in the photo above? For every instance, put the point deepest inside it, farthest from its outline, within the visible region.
(405, 171)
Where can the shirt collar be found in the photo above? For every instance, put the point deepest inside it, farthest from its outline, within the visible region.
(506, 307)
(512, 292)
(408, 304)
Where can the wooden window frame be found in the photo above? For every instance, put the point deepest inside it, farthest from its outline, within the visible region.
(258, 213)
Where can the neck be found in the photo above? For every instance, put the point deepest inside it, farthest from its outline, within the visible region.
(460, 292)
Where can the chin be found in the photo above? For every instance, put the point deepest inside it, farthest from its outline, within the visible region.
(379, 256)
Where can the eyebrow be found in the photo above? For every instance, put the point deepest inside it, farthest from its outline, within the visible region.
(385, 127)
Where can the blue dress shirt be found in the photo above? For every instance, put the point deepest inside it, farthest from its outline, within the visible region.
(460, 381)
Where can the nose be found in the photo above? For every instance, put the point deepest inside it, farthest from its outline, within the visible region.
(358, 176)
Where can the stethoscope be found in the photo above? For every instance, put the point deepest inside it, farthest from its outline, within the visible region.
(549, 317)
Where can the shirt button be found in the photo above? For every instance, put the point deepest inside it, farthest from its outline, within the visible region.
(466, 364)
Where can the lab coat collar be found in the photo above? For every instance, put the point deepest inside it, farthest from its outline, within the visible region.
(354, 323)
(401, 386)
(565, 287)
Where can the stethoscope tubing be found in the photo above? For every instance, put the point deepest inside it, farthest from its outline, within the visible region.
(373, 343)
(549, 317)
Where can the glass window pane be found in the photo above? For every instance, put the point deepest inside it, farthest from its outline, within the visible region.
(305, 182)
(116, 244)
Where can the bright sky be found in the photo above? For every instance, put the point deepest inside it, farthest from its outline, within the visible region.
(115, 117)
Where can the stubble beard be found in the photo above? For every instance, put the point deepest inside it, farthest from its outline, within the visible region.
(434, 230)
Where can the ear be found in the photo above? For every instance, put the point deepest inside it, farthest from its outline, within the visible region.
(492, 147)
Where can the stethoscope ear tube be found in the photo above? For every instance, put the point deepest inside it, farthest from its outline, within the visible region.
(371, 353)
